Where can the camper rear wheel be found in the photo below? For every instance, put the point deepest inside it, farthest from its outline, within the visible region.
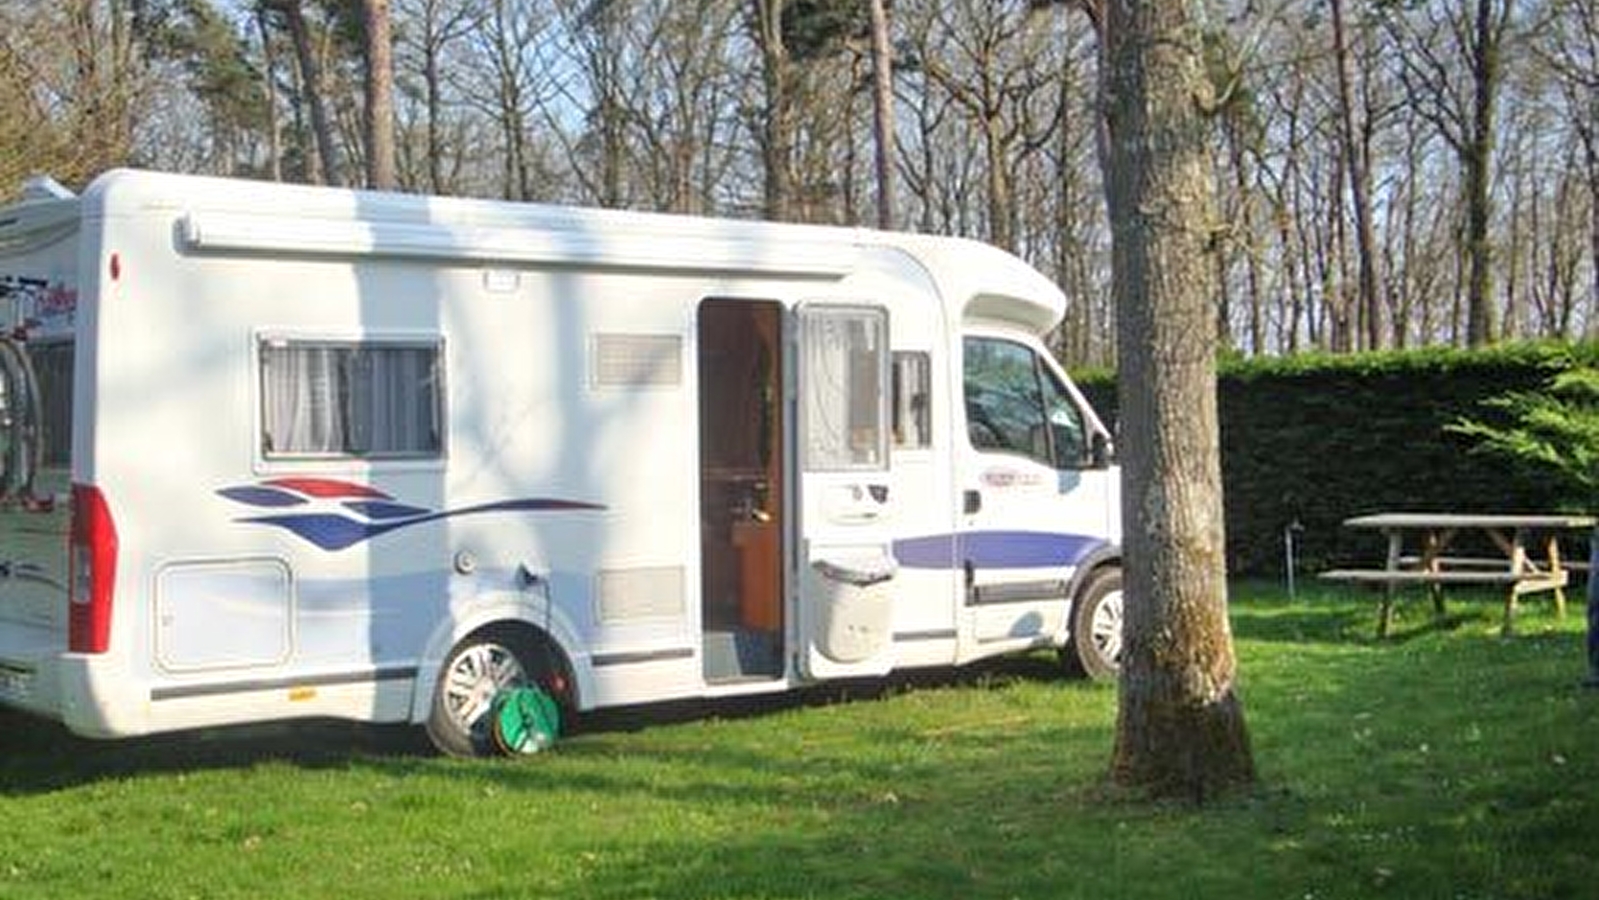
(481, 666)
(1095, 648)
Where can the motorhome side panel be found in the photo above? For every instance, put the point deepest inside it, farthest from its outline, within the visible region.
(291, 568)
(208, 610)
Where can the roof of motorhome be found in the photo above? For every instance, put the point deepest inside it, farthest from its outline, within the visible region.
(234, 214)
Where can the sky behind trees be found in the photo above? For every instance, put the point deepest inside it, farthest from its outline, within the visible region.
(1389, 173)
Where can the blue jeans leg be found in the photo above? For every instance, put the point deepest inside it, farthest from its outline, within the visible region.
(1593, 606)
(1593, 626)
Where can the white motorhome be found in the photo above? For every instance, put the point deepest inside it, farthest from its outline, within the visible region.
(278, 451)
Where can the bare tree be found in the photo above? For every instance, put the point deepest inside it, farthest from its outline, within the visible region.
(508, 45)
(379, 84)
(1572, 51)
(1458, 95)
(777, 117)
(883, 106)
(1358, 172)
(980, 62)
(1180, 729)
(71, 87)
(433, 27)
(325, 166)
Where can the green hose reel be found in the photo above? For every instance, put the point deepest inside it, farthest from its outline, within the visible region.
(524, 720)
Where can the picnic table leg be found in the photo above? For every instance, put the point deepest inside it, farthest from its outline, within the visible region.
(1431, 551)
(1514, 547)
(1552, 551)
(1385, 614)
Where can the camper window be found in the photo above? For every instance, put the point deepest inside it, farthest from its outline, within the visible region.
(843, 374)
(373, 400)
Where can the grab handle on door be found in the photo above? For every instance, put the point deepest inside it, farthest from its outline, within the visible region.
(972, 502)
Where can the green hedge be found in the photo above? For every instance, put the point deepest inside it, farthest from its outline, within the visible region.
(1315, 439)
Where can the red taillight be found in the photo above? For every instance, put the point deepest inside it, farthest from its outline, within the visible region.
(94, 571)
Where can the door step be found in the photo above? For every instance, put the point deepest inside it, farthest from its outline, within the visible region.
(742, 655)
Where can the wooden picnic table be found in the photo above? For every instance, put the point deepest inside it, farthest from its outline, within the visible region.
(1418, 553)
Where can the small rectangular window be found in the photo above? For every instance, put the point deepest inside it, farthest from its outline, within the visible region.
(843, 373)
(912, 400)
(372, 400)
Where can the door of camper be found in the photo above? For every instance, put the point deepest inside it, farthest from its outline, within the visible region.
(841, 617)
(743, 432)
(844, 566)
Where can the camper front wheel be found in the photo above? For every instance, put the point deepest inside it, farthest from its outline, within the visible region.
(479, 667)
(1095, 647)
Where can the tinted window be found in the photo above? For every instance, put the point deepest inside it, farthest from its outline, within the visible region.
(1015, 404)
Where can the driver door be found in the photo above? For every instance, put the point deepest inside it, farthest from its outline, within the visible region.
(1035, 503)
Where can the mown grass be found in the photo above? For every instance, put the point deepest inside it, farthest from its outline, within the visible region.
(1446, 762)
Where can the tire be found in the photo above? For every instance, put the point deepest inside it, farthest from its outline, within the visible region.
(481, 666)
(1095, 647)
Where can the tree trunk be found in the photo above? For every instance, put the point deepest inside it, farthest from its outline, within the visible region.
(776, 133)
(1481, 328)
(1180, 730)
(311, 85)
(883, 94)
(269, 95)
(1357, 166)
(1001, 200)
(380, 173)
(432, 89)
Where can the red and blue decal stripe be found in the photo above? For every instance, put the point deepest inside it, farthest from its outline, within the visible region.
(341, 514)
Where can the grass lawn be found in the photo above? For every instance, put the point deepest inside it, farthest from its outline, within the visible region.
(1446, 762)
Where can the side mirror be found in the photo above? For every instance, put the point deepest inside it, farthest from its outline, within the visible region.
(1100, 452)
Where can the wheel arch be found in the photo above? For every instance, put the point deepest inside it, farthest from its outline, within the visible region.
(519, 619)
(1095, 561)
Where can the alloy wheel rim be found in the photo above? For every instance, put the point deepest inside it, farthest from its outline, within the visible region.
(1106, 628)
(474, 678)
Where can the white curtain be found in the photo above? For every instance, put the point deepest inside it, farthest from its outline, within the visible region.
(371, 400)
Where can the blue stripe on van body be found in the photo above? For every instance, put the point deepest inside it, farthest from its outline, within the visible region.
(996, 550)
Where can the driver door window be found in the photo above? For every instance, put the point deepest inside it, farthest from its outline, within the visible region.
(1014, 404)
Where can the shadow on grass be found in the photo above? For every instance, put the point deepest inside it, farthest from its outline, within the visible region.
(38, 756)
(989, 673)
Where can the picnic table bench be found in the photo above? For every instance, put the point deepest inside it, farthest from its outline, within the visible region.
(1516, 569)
